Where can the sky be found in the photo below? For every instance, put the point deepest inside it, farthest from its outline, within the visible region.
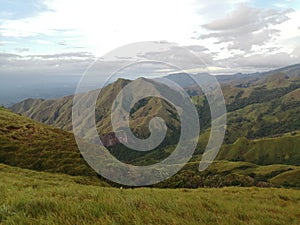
(45, 37)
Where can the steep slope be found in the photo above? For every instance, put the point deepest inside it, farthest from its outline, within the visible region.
(264, 106)
(58, 112)
(29, 144)
(260, 106)
(54, 112)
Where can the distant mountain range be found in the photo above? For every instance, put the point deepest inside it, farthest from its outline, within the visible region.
(14, 89)
(262, 142)
(258, 105)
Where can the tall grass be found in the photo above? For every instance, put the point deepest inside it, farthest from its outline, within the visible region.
(28, 197)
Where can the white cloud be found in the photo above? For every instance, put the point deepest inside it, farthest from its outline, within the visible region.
(109, 24)
(99, 26)
(246, 26)
(289, 33)
(259, 62)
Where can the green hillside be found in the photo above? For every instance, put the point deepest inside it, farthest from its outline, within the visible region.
(265, 151)
(263, 126)
(264, 105)
(58, 112)
(222, 173)
(29, 144)
(28, 197)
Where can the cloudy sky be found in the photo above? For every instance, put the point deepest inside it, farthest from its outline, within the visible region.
(64, 36)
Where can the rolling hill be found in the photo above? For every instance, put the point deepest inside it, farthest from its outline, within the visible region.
(262, 129)
(258, 105)
(32, 145)
(58, 112)
(28, 144)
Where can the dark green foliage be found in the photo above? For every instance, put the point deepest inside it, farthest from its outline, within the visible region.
(260, 95)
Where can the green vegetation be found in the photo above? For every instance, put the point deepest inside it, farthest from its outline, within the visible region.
(261, 149)
(29, 144)
(58, 112)
(264, 151)
(261, 106)
(28, 197)
(227, 173)
(288, 178)
(261, 145)
(262, 94)
(265, 119)
(256, 135)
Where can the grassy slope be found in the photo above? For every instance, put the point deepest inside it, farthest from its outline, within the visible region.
(265, 106)
(259, 117)
(264, 151)
(264, 119)
(28, 197)
(58, 112)
(29, 144)
(223, 173)
(275, 174)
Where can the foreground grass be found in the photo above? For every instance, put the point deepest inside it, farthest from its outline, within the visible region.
(28, 197)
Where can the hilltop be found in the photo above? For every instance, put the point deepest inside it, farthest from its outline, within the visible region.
(259, 105)
(261, 145)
